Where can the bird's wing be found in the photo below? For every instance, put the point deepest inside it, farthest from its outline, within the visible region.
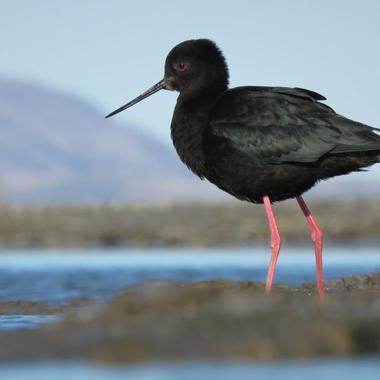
(277, 125)
(296, 91)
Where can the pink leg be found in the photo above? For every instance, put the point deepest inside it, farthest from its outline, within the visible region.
(275, 242)
(317, 238)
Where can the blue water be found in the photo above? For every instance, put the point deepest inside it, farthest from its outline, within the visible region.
(336, 369)
(24, 322)
(57, 276)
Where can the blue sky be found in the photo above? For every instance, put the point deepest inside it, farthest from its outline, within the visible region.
(107, 52)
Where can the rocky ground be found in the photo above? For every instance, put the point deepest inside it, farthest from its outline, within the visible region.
(234, 223)
(211, 320)
(39, 308)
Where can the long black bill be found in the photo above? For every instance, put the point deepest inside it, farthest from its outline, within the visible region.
(157, 87)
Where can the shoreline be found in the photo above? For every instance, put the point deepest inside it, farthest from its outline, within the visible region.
(212, 320)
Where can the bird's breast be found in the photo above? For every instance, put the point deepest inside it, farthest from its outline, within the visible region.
(187, 129)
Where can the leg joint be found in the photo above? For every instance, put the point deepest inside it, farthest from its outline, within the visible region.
(316, 234)
(275, 242)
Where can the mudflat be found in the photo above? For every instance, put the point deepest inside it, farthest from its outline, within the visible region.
(211, 320)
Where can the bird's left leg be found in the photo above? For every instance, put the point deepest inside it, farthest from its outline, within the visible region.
(275, 242)
(317, 238)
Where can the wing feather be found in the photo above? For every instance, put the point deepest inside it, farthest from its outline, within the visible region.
(277, 125)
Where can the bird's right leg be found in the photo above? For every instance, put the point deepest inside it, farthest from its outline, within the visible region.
(275, 242)
(317, 238)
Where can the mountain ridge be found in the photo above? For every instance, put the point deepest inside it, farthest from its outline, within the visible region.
(57, 148)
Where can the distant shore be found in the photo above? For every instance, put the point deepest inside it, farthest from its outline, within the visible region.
(201, 225)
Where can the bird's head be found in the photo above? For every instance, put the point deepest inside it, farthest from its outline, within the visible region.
(194, 68)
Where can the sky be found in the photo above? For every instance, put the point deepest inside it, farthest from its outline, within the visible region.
(107, 52)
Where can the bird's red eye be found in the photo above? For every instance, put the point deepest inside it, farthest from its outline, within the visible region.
(181, 66)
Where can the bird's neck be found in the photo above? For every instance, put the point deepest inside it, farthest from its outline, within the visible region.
(189, 121)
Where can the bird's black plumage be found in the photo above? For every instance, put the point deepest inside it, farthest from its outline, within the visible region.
(256, 141)
(260, 144)
(279, 142)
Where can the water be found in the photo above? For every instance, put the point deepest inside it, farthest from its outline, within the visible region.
(57, 276)
(24, 322)
(337, 369)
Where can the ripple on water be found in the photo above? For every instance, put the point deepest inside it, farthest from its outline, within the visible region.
(24, 322)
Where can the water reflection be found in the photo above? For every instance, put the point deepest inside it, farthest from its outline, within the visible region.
(337, 369)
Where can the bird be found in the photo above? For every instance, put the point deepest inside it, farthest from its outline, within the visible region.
(261, 144)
